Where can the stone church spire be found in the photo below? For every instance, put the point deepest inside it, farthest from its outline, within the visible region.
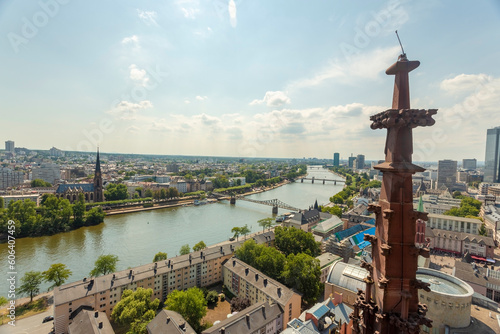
(98, 189)
(389, 305)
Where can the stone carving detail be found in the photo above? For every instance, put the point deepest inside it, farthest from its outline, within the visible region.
(403, 117)
(382, 283)
(388, 214)
(385, 249)
(371, 238)
(418, 284)
(376, 208)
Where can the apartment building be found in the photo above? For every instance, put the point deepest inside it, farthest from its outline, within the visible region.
(200, 269)
(456, 224)
(245, 281)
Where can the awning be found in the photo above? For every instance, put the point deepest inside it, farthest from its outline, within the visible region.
(490, 260)
(479, 258)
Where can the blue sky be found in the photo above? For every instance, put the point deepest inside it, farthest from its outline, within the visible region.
(245, 78)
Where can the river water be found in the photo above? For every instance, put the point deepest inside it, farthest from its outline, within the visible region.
(136, 237)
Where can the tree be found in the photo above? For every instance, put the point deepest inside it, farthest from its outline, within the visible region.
(2, 203)
(212, 297)
(57, 273)
(95, 216)
(79, 211)
(185, 249)
(244, 230)
(271, 262)
(265, 223)
(115, 192)
(199, 246)
(290, 240)
(239, 303)
(482, 230)
(191, 304)
(374, 184)
(136, 309)
(39, 183)
(30, 284)
(160, 256)
(248, 252)
(3, 300)
(337, 199)
(237, 231)
(148, 193)
(334, 210)
(104, 264)
(302, 272)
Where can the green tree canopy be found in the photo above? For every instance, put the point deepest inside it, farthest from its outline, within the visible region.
(482, 230)
(199, 246)
(38, 183)
(191, 304)
(79, 211)
(58, 273)
(3, 300)
(265, 223)
(104, 264)
(237, 232)
(302, 272)
(334, 210)
(136, 309)
(185, 249)
(290, 240)
(468, 207)
(160, 256)
(30, 284)
(95, 216)
(115, 192)
(244, 230)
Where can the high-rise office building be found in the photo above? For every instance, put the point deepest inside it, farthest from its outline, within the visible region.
(469, 164)
(9, 146)
(48, 172)
(492, 157)
(350, 161)
(336, 159)
(360, 161)
(447, 173)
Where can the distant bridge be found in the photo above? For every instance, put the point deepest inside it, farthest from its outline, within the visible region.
(324, 180)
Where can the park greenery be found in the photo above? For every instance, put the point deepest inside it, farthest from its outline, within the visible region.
(54, 215)
(136, 310)
(243, 230)
(469, 207)
(191, 304)
(290, 263)
(58, 273)
(104, 264)
(39, 183)
(30, 284)
(266, 223)
(116, 192)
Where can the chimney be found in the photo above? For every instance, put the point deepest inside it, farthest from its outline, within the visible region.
(168, 320)
(234, 263)
(246, 271)
(156, 265)
(247, 316)
(221, 249)
(265, 282)
(114, 276)
(201, 254)
(100, 325)
(279, 292)
(264, 311)
(182, 325)
(96, 314)
(256, 277)
(222, 330)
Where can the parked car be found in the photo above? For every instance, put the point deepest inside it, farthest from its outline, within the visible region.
(47, 319)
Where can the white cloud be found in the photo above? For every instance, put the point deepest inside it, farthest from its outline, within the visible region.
(127, 110)
(465, 82)
(273, 99)
(189, 8)
(231, 8)
(201, 98)
(360, 66)
(132, 39)
(148, 17)
(187, 101)
(204, 33)
(133, 129)
(138, 76)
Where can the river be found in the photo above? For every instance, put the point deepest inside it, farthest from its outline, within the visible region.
(136, 237)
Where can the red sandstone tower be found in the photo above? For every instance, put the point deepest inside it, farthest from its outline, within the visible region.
(390, 302)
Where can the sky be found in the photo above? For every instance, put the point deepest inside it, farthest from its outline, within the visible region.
(285, 78)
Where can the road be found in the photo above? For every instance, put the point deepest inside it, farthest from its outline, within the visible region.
(30, 325)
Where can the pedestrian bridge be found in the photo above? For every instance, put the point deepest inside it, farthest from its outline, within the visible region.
(312, 179)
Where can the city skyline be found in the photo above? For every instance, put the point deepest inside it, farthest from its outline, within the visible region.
(244, 79)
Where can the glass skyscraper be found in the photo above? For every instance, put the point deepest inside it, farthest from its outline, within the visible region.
(492, 158)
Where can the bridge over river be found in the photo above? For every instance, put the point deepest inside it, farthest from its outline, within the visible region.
(275, 203)
(318, 179)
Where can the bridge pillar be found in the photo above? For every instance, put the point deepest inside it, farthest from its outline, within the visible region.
(232, 200)
(313, 179)
(275, 210)
(323, 181)
(334, 183)
(302, 180)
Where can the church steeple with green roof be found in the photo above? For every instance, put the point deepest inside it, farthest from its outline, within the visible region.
(420, 205)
